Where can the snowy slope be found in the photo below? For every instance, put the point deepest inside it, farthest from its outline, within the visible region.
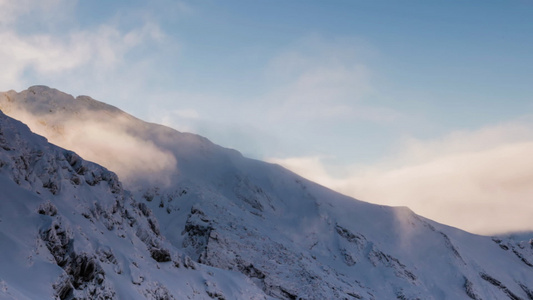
(69, 230)
(288, 237)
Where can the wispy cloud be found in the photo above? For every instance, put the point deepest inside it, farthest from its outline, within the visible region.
(43, 43)
(11, 11)
(481, 181)
(316, 78)
(43, 54)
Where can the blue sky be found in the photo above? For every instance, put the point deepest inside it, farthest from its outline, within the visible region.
(343, 92)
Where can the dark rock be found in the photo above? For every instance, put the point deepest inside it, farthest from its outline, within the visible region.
(160, 255)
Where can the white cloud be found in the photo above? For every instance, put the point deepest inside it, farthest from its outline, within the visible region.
(44, 54)
(109, 60)
(481, 181)
(113, 147)
(11, 10)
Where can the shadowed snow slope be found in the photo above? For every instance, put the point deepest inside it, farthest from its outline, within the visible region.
(265, 230)
(69, 230)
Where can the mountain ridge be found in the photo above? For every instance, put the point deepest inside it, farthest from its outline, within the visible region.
(292, 238)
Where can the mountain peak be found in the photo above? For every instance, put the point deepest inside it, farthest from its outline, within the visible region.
(41, 99)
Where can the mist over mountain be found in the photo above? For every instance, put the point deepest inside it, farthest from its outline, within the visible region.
(185, 218)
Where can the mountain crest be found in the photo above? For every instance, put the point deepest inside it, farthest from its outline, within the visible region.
(187, 218)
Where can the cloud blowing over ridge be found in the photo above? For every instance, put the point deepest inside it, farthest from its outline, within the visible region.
(481, 181)
(100, 136)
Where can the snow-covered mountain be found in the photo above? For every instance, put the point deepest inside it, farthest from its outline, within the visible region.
(68, 230)
(200, 221)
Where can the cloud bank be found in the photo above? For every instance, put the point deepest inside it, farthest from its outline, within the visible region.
(480, 181)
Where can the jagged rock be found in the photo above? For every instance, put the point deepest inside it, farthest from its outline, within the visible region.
(160, 255)
(378, 257)
(189, 263)
(58, 240)
(213, 291)
(495, 282)
(158, 292)
(528, 291)
(63, 288)
(47, 209)
(470, 290)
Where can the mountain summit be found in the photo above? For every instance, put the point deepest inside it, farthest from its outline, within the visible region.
(186, 218)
